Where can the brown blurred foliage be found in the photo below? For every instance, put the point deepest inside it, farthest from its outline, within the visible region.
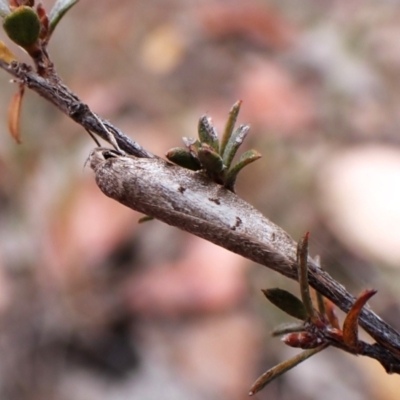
(95, 306)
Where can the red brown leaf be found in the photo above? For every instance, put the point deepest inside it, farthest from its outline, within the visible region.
(14, 113)
(350, 325)
(330, 313)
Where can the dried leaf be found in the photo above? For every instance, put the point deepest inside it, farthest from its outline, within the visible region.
(207, 133)
(58, 11)
(318, 299)
(247, 158)
(318, 295)
(230, 125)
(5, 54)
(283, 367)
(14, 113)
(350, 324)
(302, 261)
(234, 142)
(287, 302)
(184, 158)
(287, 328)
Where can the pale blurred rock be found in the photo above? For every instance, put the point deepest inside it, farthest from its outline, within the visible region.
(360, 196)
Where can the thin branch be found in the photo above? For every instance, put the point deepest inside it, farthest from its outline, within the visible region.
(191, 202)
(67, 102)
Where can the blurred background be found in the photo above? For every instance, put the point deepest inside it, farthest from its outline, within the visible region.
(94, 305)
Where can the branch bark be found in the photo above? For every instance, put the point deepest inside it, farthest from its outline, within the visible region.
(191, 202)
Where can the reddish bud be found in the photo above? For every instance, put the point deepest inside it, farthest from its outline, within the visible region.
(303, 340)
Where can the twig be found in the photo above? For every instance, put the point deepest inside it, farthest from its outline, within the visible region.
(193, 203)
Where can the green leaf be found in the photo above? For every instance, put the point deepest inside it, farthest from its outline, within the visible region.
(230, 125)
(247, 158)
(207, 133)
(211, 161)
(58, 11)
(22, 26)
(287, 302)
(184, 158)
(4, 8)
(234, 142)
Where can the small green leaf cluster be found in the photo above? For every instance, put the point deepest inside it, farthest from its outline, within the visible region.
(214, 157)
